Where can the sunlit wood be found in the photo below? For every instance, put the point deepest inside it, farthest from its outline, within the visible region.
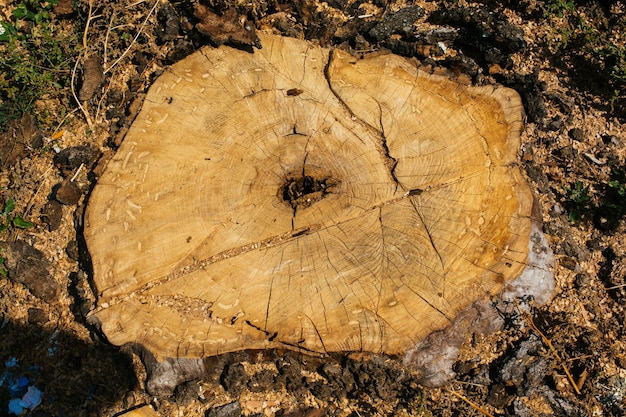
(300, 197)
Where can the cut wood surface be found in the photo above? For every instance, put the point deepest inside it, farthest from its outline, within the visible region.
(300, 197)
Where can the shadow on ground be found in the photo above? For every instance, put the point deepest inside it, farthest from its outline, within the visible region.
(75, 377)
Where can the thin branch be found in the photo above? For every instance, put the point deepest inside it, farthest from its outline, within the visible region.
(556, 355)
(614, 287)
(471, 403)
(106, 39)
(80, 105)
(134, 39)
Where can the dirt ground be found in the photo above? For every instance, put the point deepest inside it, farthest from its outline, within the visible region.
(563, 57)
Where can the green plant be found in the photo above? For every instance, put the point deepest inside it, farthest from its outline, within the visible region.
(9, 220)
(578, 200)
(34, 10)
(34, 59)
(3, 270)
(614, 60)
(558, 7)
(615, 195)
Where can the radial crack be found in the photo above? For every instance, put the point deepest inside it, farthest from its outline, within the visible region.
(432, 243)
(389, 161)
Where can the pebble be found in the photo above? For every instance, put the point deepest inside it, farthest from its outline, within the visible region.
(28, 266)
(68, 193)
(229, 410)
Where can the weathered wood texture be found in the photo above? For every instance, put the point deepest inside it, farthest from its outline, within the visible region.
(300, 197)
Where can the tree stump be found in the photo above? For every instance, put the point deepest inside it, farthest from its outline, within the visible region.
(299, 197)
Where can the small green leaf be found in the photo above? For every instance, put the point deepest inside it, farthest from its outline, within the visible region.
(21, 223)
(9, 206)
(20, 12)
(6, 31)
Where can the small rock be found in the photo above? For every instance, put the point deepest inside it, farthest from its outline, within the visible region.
(290, 372)
(569, 263)
(37, 316)
(141, 61)
(583, 280)
(163, 377)
(64, 8)
(462, 65)
(436, 35)
(180, 51)
(52, 214)
(28, 266)
(571, 248)
(68, 193)
(400, 23)
(229, 410)
(225, 28)
(234, 378)
(577, 134)
(81, 293)
(69, 159)
(71, 250)
(498, 396)
(169, 25)
(513, 370)
(186, 392)
(261, 381)
(555, 124)
(19, 136)
(93, 76)
(135, 83)
(29, 132)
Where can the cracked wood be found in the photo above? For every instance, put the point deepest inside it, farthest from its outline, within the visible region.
(303, 198)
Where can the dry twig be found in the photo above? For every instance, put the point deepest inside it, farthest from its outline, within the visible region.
(134, 39)
(556, 355)
(81, 106)
(471, 403)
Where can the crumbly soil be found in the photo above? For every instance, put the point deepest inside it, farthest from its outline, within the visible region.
(574, 133)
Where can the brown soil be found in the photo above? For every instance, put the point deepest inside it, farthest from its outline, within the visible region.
(574, 133)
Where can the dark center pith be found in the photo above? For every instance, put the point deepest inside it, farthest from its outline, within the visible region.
(301, 192)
